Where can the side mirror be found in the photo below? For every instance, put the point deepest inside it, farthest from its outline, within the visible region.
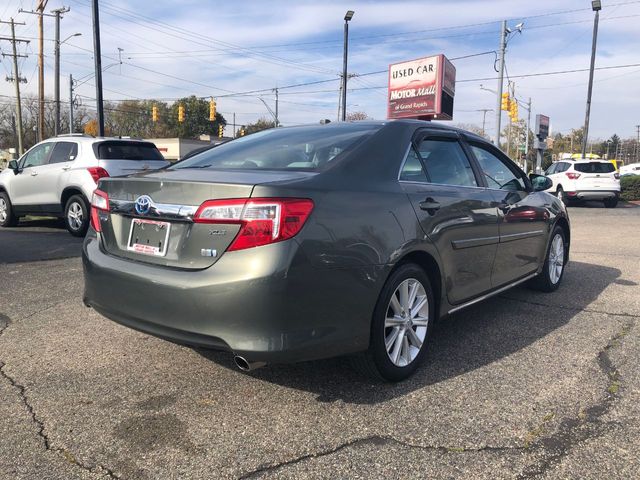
(540, 182)
(13, 165)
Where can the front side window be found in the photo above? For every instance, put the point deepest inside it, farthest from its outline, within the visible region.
(446, 162)
(552, 169)
(496, 172)
(37, 155)
(64, 152)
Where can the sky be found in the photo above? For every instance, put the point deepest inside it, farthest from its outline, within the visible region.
(224, 49)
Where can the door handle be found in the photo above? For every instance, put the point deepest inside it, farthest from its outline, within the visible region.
(66, 168)
(430, 205)
(34, 173)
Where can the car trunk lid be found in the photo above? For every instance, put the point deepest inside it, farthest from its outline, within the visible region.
(161, 230)
(124, 157)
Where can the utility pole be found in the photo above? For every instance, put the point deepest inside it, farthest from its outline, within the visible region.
(501, 51)
(40, 13)
(637, 142)
(57, 12)
(484, 117)
(16, 77)
(526, 142)
(234, 124)
(596, 6)
(98, 66)
(70, 103)
(277, 122)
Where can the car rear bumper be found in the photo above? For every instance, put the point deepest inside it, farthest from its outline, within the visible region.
(266, 304)
(594, 194)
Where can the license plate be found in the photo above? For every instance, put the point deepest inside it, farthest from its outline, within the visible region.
(148, 237)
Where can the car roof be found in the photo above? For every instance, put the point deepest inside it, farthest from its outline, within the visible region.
(90, 140)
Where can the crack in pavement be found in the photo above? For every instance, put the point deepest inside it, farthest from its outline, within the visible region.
(589, 423)
(377, 440)
(573, 309)
(40, 427)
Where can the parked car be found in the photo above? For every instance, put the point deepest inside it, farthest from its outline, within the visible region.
(310, 242)
(631, 169)
(57, 177)
(585, 180)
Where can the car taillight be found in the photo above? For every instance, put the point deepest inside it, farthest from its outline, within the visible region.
(97, 173)
(573, 175)
(99, 203)
(262, 220)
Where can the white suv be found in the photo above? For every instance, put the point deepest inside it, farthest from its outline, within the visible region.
(57, 176)
(585, 180)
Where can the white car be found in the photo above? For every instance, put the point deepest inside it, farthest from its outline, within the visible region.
(631, 169)
(57, 177)
(585, 179)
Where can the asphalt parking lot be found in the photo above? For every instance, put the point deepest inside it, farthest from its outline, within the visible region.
(526, 385)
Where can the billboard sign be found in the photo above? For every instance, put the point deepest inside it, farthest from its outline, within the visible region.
(542, 126)
(422, 88)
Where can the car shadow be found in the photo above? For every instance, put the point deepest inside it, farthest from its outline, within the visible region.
(466, 341)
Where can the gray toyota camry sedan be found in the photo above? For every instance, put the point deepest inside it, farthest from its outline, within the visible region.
(316, 241)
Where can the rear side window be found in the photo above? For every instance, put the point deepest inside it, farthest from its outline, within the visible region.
(446, 163)
(412, 170)
(594, 167)
(115, 150)
(63, 152)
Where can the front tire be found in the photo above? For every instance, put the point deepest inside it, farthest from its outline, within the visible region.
(76, 216)
(562, 196)
(554, 264)
(401, 325)
(610, 202)
(7, 217)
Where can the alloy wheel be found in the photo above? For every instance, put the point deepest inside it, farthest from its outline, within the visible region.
(75, 216)
(556, 259)
(3, 209)
(406, 322)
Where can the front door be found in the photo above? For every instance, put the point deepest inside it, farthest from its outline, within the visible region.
(458, 215)
(28, 185)
(523, 216)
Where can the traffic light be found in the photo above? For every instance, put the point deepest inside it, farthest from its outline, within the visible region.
(506, 102)
(513, 111)
(220, 130)
(212, 110)
(154, 113)
(242, 131)
(181, 113)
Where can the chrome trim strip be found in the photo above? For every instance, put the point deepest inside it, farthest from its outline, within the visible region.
(474, 242)
(491, 294)
(517, 236)
(165, 211)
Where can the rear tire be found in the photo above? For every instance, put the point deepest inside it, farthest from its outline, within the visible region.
(610, 202)
(7, 217)
(400, 328)
(554, 263)
(562, 196)
(76, 216)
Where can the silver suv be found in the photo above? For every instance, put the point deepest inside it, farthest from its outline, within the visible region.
(56, 177)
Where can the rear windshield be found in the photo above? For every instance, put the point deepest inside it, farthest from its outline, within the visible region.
(115, 150)
(594, 167)
(301, 148)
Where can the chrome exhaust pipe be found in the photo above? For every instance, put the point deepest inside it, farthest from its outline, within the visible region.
(245, 365)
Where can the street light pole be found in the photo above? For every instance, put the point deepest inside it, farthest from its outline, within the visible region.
(56, 77)
(98, 66)
(348, 16)
(596, 6)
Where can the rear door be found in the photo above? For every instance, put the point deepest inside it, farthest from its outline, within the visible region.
(124, 157)
(523, 215)
(596, 176)
(456, 213)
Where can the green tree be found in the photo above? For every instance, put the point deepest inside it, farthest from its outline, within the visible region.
(261, 124)
(196, 118)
